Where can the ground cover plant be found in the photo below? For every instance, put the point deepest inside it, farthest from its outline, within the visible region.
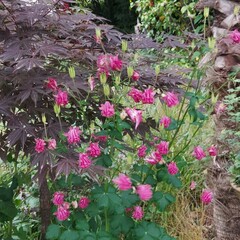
(104, 137)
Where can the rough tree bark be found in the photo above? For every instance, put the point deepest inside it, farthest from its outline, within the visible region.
(45, 207)
(226, 207)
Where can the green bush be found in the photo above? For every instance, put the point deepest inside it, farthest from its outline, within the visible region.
(166, 16)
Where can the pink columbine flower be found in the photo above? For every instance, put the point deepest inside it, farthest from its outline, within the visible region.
(61, 98)
(192, 185)
(162, 147)
(135, 116)
(137, 213)
(123, 182)
(62, 213)
(40, 145)
(115, 63)
(73, 135)
(58, 198)
(235, 36)
(94, 150)
(206, 196)
(144, 191)
(135, 94)
(91, 83)
(142, 151)
(212, 151)
(148, 96)
(52, 84)
(151, 159)
(165, 121)
(220, 108)
(172, 168)
(198, 153)
(103, 63)
(107, 109)
(170, 99)
(83, 202)
(84, 161)
(154, 158)
(100, 138)
(52, 144)
(135, 76)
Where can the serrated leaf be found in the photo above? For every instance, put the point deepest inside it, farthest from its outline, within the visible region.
(69, 235)
(53, 231)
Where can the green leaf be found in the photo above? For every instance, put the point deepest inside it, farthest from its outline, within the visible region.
(121, 224)
(6, 194)
(104, 160)
(128, 199)
(163, 175)
(69, 235)
(175, 181)
(92, 210)
(105, 236)
(82, 224)
(163, 200)
(53, 231)
(7, 210)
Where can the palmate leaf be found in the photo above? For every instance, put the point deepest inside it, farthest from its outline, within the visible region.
(53, 232)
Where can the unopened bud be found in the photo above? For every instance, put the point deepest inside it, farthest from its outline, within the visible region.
(57, 109)
(211, 42)
(124, 45)
(117, 80)
(157, 69)
(44, 120)
(106, 90)
(206, 12)
(236, 10)
(214, 99)
(98, 33)
(123, 114)
(71, 71)
(129, 72)
(103, 78)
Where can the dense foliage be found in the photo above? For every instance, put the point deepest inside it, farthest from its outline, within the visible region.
(158, 17)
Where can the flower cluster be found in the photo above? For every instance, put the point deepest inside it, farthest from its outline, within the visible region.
(63, 208)
(199, 153)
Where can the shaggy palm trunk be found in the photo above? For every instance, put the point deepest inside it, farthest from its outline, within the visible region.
(226, 206)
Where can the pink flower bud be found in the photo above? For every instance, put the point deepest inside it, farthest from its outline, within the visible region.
(198, 153)
(40, 145)
(58, 198)
(212, 151)
(135, 116)
(135, 94)
(170, 99)
(142, 151)
(165, 121)
(144, 191)
(162, 147)
(235, 36)
(52, 144)
(148, 96)
(172, 168)
(206, 196)
(84, 161)
(107, 109)
(94, 150)
(61, 98)
(52, 84)
(135, 76)
(123, 182)
(73, 135)
(137, 213)
(62, 213)
(83, 202)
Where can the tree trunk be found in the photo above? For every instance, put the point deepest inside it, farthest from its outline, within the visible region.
(226, 205)
(45, 207)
